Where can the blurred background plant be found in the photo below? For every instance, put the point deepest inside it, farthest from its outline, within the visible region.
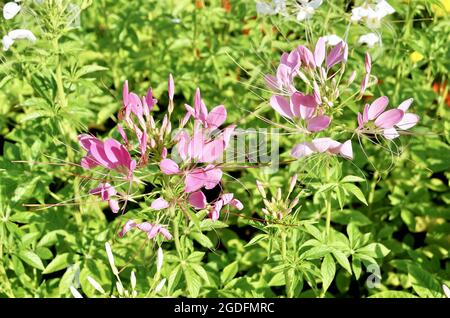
(70, 80)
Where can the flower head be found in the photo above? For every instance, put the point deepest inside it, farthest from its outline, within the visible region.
(375, 119)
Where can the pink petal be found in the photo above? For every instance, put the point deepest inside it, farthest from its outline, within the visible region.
(377, 107)
(226, 198)
(213, 150)
(319, 52)
(114, 205)
(390, 133)
(306, 56)
(122, 133)
(164, 153)
(213, 176)
(303, 105)
(318, 123)
(164, 232)
(303, 149)
(159, 204)
(125, 93)
(409, 120)
(237, 204)
(89, 162)
(317, 96)
(227, 134)
(368, 63)
(198, 200)
(365, 116)
(169, 167)
(389, 118)
(216, 116)
(145, 226)
(364, 83)
(171, 87)
(127, 227)
(194, 180)
(346, 150)
(405, 104)
(324, 144)
(214, 214)
(281, 105)
(360, 121)
(336, 55)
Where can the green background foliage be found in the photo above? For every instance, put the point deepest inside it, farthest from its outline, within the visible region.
(393, 212)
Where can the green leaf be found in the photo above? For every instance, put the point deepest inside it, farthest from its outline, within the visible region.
(350, 216)
(342, 260)
(202, 239)
(424, 284)
(61, 261)
(256, 239)
(350, 178)
(229, 272)
(87, 69)
(31, 259)
(392, 294)
(328, 270)
(196, 257)
(375, 250)
(174, 278)
(68, 278)
(356, 266)
(193, 282)
(200, 271)
(355, 191)
(277, 280)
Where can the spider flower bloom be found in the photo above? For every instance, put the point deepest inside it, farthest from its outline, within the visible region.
(212, 120)
(110, 154)
(225, 199)
(323, 145)
(375, 118)
(303, 107)
(150, 229)
(372, 14)
(106, 191)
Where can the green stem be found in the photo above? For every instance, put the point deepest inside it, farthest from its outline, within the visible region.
(287, 277)
(328, 222)
(176, 235)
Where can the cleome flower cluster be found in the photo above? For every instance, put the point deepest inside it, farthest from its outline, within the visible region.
(198, 146)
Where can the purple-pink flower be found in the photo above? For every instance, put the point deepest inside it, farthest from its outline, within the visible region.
(374, 118)
(150, 229)
(106, 191)
(323, 145)
(110, 154)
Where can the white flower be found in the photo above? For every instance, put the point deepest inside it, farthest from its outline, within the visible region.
(384, 8)
(10, 10)
(18, 34)
(372, 13)
(370, 39)
(306, 8)
(275, 7)
(333, 39)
